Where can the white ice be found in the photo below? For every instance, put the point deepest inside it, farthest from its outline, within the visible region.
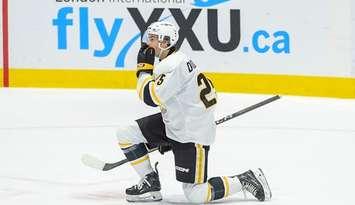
(306, 147)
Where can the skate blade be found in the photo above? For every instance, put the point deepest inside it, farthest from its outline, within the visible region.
(259, 174)
(147, 197)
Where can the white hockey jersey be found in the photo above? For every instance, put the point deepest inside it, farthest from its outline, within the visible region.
(185, 96)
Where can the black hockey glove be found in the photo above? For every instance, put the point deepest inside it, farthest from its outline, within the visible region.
(164, 147)
(145, 60)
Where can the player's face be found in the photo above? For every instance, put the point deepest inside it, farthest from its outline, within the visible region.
(154, 43)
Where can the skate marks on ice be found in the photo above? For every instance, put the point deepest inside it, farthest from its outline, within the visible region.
(113, 196)
(236, 199)
(22, 187)
(102, 192)
(6, 193)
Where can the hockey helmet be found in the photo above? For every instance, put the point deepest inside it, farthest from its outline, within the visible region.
(165, 31)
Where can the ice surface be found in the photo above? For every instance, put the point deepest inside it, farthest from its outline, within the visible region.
(306, 147)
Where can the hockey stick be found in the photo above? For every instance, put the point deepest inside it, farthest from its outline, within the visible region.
(96, 163)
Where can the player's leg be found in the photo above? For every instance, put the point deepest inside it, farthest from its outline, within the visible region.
(191, 161)
(134, 140)
(224, 186)
(191, 169)
(132, 143)
(216, 188)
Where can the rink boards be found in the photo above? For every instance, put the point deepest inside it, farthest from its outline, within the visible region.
(224, 82)
(275, 47)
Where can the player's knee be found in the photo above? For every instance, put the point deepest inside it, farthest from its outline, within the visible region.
(195, 193)
(122, 134)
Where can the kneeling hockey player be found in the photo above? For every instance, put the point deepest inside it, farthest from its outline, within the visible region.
(187, 99)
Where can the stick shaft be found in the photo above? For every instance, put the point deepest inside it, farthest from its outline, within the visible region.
(247, 109)
(109, 166)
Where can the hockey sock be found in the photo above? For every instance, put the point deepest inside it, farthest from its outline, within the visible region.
(221, 187)
(137, 155)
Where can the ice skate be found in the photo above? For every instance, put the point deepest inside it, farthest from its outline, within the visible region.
(254, 181)
(148, 189)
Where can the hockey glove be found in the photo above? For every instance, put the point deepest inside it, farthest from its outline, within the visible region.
(164, 147)
(145, 60)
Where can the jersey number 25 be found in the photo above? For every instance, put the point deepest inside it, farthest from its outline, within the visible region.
(206, 89)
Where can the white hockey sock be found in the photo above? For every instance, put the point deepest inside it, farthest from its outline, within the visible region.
(142, 166)
(216, 188)
(235, 185)
(137, 154)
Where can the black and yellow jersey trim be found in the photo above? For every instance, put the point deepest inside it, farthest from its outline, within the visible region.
(147, 92)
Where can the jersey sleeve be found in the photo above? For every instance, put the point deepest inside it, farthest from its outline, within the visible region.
(146, 90)
(168, 85)
(155, 92)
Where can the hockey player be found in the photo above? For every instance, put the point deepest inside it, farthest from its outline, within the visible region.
(187, 99)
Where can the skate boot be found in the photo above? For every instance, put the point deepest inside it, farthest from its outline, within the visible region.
(254, 181)
(148, 189)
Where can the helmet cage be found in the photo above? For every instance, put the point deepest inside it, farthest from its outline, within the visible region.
(165, 32)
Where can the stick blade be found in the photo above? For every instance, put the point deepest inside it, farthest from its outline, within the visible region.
(92, 162)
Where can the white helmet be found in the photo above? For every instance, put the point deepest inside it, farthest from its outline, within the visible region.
(165, 31)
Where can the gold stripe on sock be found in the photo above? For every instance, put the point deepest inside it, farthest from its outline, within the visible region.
(226, 186)
(125, 145)
(209, 194)
(140, 160)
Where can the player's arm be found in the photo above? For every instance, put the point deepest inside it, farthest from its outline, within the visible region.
(167, 85)
(145, 82)
(155, 92)
(146, 90)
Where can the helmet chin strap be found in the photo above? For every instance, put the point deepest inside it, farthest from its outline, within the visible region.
(159, 56)
(162, 49)
(167, 48)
